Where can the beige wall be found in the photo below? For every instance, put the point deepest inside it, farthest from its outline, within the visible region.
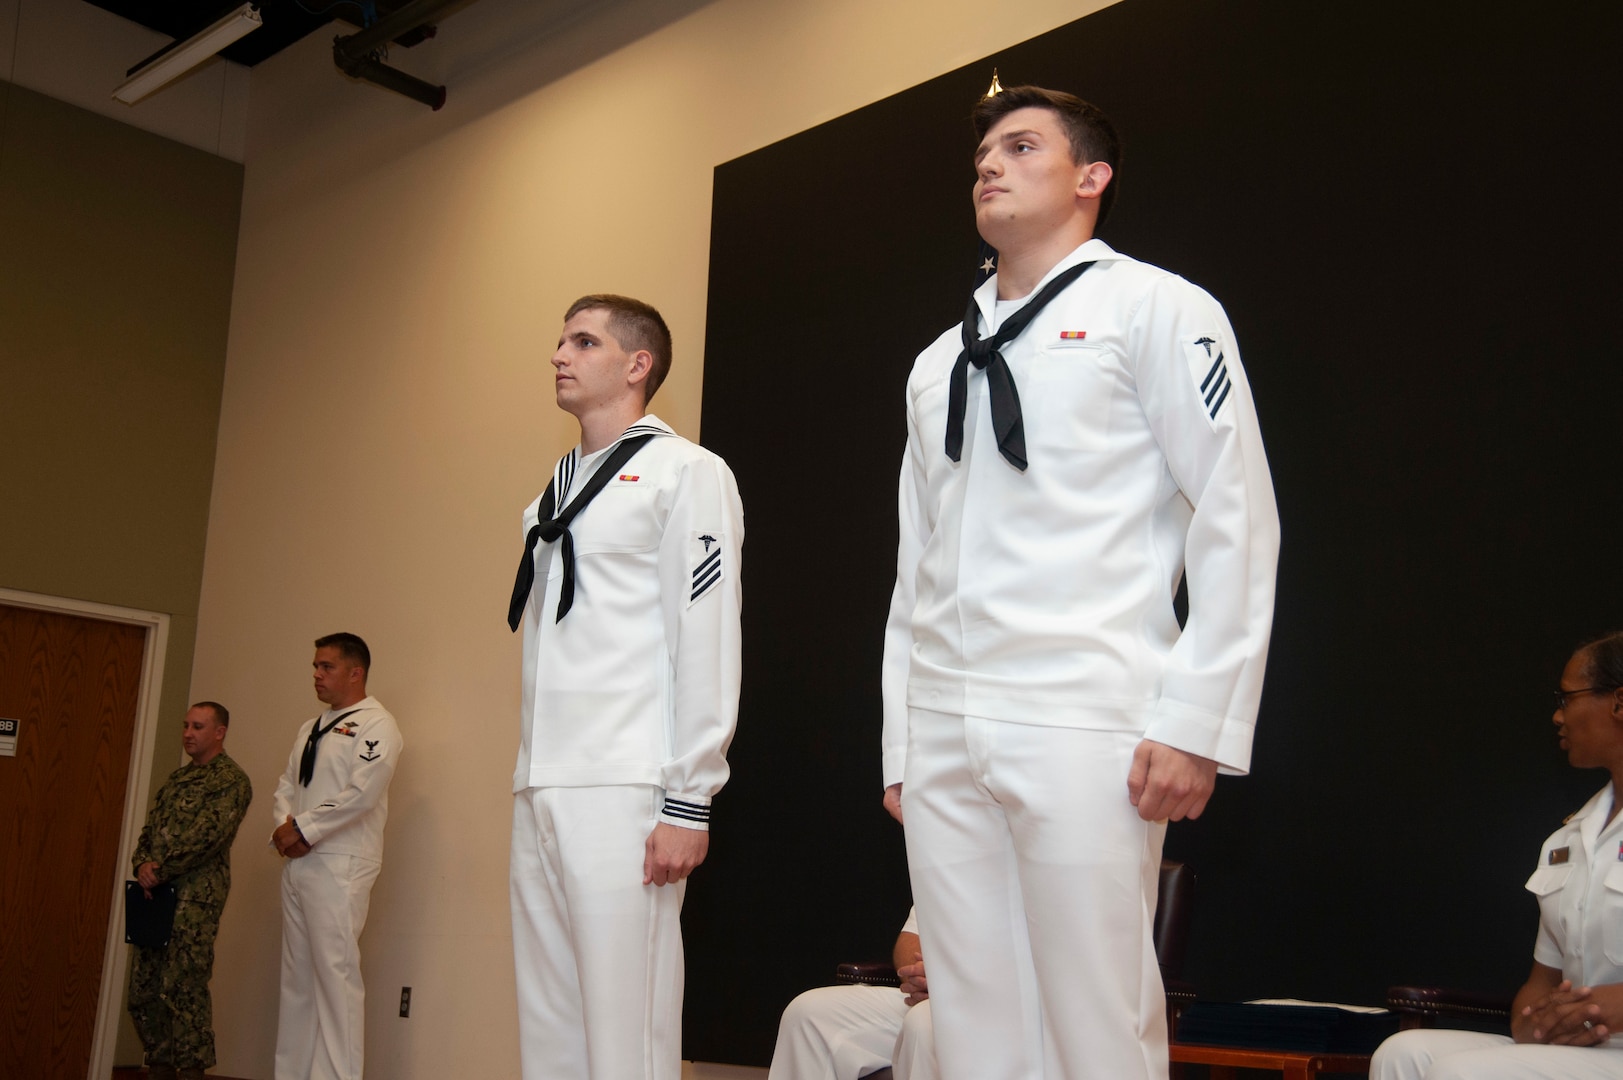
(116, 254)
(387, 409)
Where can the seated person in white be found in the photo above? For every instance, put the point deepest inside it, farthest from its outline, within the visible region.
(1562, 1020)
(847, 1032)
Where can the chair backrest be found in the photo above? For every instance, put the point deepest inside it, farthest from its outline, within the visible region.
(1172, 912)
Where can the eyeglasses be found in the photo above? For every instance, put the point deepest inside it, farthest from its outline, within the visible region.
(1561, 696)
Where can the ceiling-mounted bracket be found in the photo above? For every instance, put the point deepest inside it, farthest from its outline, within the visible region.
(355, 54)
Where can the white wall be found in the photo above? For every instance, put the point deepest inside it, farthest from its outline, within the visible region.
(387, 411)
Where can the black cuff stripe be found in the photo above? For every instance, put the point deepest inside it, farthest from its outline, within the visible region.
(687, 811)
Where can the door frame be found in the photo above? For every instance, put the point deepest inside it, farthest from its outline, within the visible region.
(115, 955)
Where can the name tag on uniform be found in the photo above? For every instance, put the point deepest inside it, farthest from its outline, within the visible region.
(1560, 855)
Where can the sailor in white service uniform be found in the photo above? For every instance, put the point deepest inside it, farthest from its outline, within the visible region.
(628, 593)
(1084, 440)
(330, 809)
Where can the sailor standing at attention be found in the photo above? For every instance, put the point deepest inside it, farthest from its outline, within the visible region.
(330, 808)
(628, 593)
(1084, 440)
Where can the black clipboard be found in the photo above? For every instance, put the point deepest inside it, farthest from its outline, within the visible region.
(148, 923)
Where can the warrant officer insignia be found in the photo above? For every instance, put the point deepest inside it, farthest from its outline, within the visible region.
(371, 751)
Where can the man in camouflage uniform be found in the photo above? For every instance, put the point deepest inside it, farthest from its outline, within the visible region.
(187, 843)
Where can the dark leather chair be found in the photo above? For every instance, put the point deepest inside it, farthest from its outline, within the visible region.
(1423, 1006)
(1174, 903)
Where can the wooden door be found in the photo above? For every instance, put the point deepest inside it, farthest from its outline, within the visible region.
(73, 683)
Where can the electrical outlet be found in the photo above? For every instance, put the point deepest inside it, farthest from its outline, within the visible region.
(405, 1001)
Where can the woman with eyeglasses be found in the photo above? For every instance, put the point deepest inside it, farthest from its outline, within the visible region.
(1564, 1016)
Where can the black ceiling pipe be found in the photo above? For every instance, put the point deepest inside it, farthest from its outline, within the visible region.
(353, 53)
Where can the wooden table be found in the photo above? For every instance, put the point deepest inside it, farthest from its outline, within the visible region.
(1294, 1064)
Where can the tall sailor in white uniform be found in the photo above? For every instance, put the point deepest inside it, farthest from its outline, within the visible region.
(1565, 1018)
(628, 593)
(330, 808)
(1082, 441)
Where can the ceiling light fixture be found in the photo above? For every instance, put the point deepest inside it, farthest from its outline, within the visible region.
(177, 58)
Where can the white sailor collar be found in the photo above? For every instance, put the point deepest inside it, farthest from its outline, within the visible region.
(367, 702)
(1094, 250)
(648, 424)
(649, 420)
(564, 473)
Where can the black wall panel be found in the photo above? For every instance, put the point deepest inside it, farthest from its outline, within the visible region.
(1410, 211)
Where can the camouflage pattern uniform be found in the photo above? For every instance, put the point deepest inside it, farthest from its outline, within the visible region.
(188, 834)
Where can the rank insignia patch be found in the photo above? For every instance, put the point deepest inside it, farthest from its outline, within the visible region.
(707, 565)
(1559, 855)
(1209, 369)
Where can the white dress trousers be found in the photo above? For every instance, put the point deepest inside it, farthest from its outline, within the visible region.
(1035, 883)
(321, 1029)
(598, 954)
(1470, 1055)
(848, 1032)
(914, 1057)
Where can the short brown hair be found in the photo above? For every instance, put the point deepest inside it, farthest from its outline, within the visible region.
(635, 325)
(221, 715)
(350, 647)
(1087, 128)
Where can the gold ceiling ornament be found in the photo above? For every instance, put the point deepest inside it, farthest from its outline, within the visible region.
(996, 88)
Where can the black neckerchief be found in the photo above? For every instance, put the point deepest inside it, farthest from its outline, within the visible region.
(307, 760)
(1007, 421)
(549, 528)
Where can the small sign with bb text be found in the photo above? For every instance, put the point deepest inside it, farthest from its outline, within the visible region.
(8, 736)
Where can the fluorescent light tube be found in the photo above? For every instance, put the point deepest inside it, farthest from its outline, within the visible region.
(176, 60)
